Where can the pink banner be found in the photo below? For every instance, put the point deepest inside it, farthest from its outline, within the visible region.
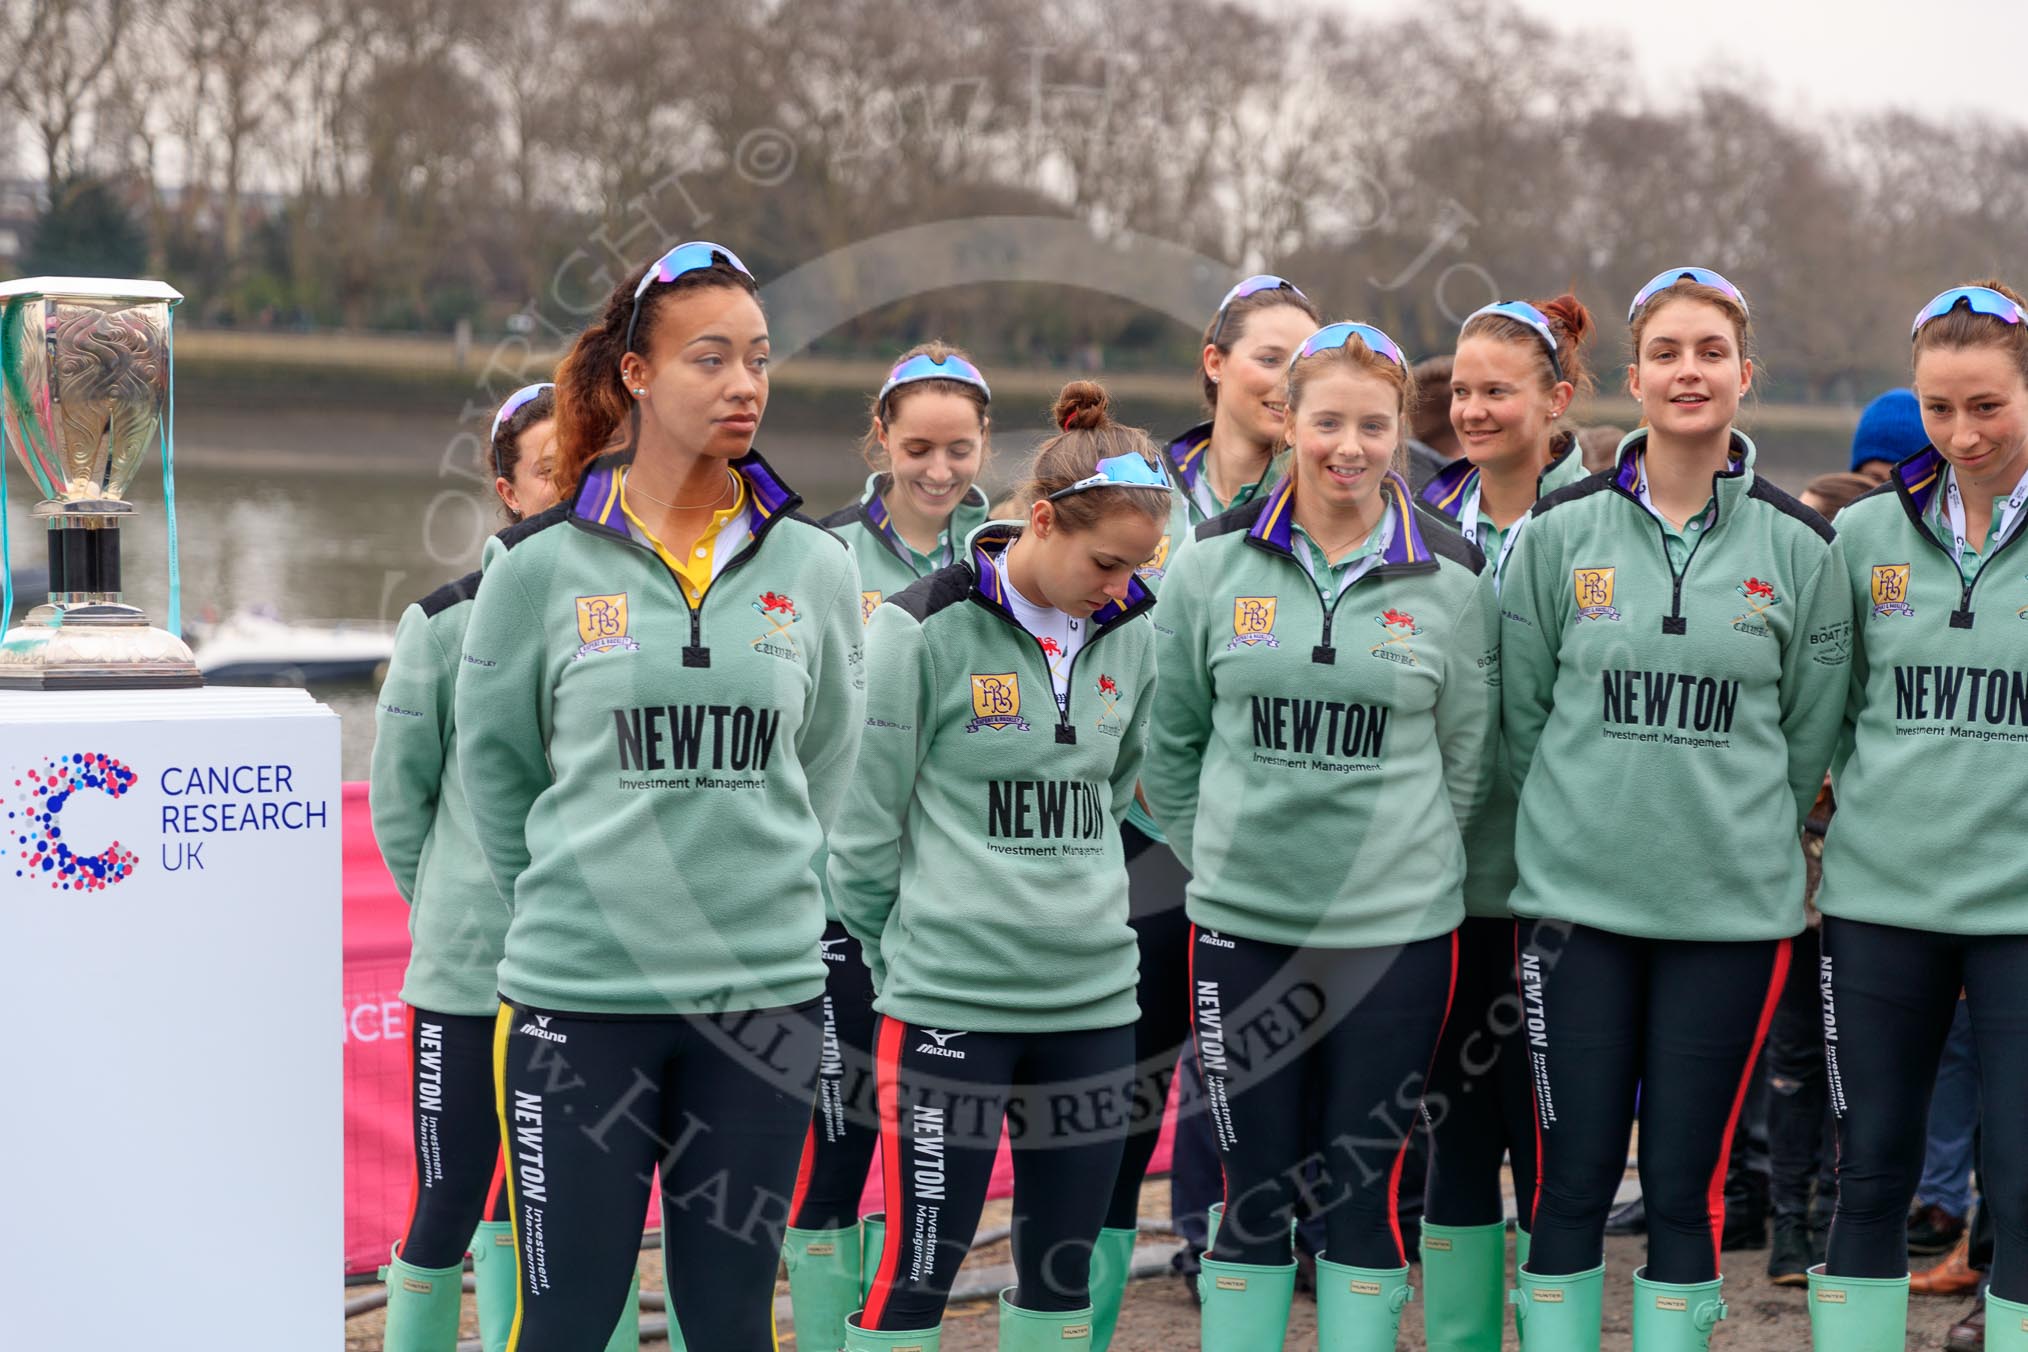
(379, 1168)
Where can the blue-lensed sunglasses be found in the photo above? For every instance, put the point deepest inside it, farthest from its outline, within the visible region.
(1335, 335)
(923, 366)
(695, 256)
(1981, 300)
(1521, 312)
(1251, 286)
(517, 401)
(1117, 471)
(1662, 281)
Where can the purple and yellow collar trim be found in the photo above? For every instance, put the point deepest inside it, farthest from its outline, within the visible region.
(994, 537)
(1186, 455)
(1274, 529)
(598, 493)
(1919, 477)
(1446, 489)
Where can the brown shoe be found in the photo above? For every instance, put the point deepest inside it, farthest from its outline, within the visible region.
(1969, 1333)
(1954, 1276)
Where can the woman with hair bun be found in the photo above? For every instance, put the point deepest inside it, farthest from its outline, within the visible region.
(658, 706)
(1673, 654)
(1924, 891)
(1328, 665)
(1518, 367)
(979, 867)
(926, 443)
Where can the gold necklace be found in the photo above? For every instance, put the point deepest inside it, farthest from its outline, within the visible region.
(730, 486)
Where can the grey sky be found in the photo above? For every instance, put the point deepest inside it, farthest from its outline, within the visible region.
(1939, 57)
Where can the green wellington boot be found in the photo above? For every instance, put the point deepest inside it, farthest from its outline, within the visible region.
(1675, 1318)
(2006, 1325)
(1464, 1286)
(493, 1279)
(627, 1333)
(1042, 1330)
(1112, 1262)
(423, 1306)
(872, 1234)
(1245, 1306)
(1359, 1309)
(1857, 1314)
(823, 1283)
(1560, 1314)
(904, 1340)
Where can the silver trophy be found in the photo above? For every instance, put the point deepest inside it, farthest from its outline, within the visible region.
(84, 390)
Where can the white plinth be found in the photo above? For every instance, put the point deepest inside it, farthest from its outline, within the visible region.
(172, 1125)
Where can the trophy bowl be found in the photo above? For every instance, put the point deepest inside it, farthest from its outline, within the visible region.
(84, 399)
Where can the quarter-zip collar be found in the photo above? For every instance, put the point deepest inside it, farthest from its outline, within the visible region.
(595, 509)
(1729, 486)
(991, 540)
(1450, 486)
(966, 517)
(1917, 481)
(1406, 551)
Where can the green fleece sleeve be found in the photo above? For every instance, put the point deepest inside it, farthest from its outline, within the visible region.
(865, 865)
(1531, 629)
(1468, 706)
(1816, 679)
(411, 726)
(835, 711)
(1839, 575)
(1134, 741)
(1175, 764)
(503, 756)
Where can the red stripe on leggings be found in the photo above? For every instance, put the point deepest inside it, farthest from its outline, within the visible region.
(1401, 1155)
(803, 1171)
(886, 1080)
(1190, 978)
(1716, 1195)
(1534, 1090)
(498, 1184)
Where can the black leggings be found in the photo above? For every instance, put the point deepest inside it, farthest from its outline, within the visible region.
(457, 1137)
(1155, 883)
(1680, 1022)
(1798, 1112)
(943, 1094)
(592, 1106)
(845, 1124)
(1889, 997)
(1314, 1062)
(1480, 1105)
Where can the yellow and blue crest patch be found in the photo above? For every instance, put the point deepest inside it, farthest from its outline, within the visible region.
(1890, 590)
(1594, 589)
(602, 625)
(996, 702)
(1253, 622)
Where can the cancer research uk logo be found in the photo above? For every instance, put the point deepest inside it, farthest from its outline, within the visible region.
(197, 803)
(34, 806)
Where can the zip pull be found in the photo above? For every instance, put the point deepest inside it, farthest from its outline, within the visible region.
(1675, 623)
(1066, 735)
(1324, 655)
(696, 655)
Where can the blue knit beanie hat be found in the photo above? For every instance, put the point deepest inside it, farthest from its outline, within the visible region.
(1890, 429)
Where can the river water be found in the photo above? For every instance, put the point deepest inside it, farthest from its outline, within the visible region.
(349, 514)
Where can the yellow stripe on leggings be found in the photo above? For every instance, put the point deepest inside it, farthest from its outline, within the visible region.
(503, 1023)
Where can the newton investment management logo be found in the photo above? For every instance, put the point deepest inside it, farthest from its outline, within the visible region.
(38, 814)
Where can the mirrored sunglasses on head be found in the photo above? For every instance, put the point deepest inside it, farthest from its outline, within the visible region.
(1981, 300)
(1117, 471)
(1662, 281)
(1336, 335)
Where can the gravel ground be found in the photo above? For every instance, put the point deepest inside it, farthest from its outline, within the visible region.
(1159, 1315)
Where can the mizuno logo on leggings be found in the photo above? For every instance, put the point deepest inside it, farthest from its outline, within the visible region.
(528, 1160)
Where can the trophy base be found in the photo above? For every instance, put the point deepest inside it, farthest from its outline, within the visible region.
(94, 647)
